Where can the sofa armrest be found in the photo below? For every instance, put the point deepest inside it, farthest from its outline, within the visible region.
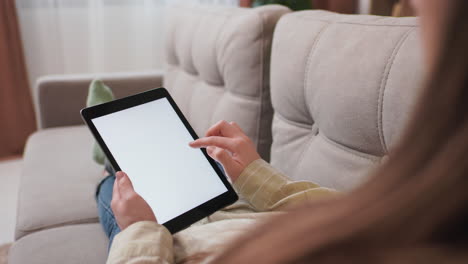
(58, 99)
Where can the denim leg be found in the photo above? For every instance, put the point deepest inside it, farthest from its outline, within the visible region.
(106, 216)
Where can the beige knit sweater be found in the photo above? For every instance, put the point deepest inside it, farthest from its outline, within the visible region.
(264, 191)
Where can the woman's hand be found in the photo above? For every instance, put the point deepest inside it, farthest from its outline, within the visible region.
(127, 205)
(228, 144)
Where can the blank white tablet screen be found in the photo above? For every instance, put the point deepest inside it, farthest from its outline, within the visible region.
(150, 144)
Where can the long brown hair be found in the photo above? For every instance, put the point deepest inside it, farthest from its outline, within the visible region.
(414, 209)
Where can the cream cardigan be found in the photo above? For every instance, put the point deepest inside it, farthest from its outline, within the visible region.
(264, 191)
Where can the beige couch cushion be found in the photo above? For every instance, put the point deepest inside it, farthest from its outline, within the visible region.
(59, 180)
(218, 67)
(342, 88)
(75, 244)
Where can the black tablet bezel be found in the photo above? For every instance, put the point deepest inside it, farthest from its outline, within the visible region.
(190, 217)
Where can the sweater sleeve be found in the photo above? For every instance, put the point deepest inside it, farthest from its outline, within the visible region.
(267, 189)
(142, 242)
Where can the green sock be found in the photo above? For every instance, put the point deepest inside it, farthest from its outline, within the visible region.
(98, 93)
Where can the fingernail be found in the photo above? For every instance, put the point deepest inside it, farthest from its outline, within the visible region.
(119, 175)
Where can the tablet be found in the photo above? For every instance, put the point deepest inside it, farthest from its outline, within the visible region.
(147, 136)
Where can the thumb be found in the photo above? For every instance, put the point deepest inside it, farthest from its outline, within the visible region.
(125, 185)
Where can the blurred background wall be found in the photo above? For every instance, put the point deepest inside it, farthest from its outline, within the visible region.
(87, 36)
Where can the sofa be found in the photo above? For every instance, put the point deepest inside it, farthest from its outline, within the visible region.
(323, 96)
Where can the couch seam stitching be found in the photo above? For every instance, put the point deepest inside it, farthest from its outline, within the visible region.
(217, 41)
(302, 156)
(261, 80)
(218, 37)
(67, 223)
(196, 75)
(292, 123)
(307, 67)
(224, 89)
(383, 85)
(351, 151)
(304, 92)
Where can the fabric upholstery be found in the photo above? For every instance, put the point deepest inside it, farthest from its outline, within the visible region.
(218, 63)
(218, 67)
(58, 99)
(59, 180)
(342, 89)
(74, 244)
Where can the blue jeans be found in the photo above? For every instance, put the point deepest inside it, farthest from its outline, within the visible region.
(104, 198)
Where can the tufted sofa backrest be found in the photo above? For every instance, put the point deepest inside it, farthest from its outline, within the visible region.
(342, 89)
(218, 62)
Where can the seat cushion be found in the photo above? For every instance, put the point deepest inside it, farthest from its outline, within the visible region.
(218, 62)
(59, 180)
(342, 92)
(72, 244)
